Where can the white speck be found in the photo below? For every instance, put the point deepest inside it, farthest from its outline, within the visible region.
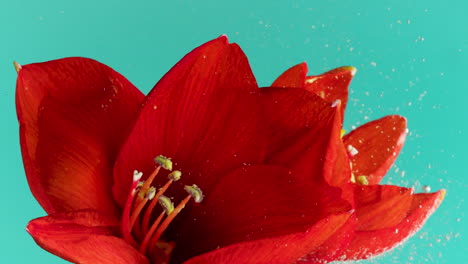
(426, 188)
(336, 102)
(419, 38)
(352, 150)
(373, 63)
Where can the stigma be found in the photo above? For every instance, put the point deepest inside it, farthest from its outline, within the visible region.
(143, 221)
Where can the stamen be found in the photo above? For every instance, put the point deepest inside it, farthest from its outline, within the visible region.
(142, 189)
(166, 203)
(151, 193)
(142, 196)
(166, 163)
(342, 133)
(150, 232)
(362, 180)
(148, 195)
(126, 231)
(167, 221)
(173, 176)
(195, 192)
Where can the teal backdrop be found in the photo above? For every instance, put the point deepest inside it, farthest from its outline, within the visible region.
(411, 55)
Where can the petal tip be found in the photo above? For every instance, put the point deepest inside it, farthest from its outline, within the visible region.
(351, 69)
(442, 194)
(17, 66)
(224, 38)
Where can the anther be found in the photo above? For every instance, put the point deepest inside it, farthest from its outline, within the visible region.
(175, 175)
(342, 133)
(166, 203)
(362, 180)
(195, 192)
(151, 193)
(164, 162)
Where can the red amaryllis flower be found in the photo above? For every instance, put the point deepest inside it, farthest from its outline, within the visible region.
(277, 177)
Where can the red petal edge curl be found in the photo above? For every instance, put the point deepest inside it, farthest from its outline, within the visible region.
(73, 115)
(83, 237)
(330, 86)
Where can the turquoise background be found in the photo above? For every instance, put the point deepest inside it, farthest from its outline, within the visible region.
(411, 58)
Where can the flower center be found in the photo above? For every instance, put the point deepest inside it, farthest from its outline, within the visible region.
(140, 227)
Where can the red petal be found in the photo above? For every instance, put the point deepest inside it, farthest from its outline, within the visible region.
(370, 243)
(333, 248)
(332, 85)
(255, 202)
(378, 144)
(305, 134)
(293, 77)
(73, 115)
(202, 114)
(83, 237)
(381, 206)
(282, 249)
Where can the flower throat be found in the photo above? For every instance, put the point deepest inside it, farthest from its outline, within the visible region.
(139, 227)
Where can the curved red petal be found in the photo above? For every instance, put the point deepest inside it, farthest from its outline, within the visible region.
(202, 114)
(293, 77)
(332, 85)
(367, 244)
(378, 144)
(332, 249)
(83, 237)
(74, 114)
(381, 206)
(305, 134)
(255, 202)
(282, 249)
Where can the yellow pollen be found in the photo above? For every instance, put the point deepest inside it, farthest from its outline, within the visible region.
(175, 175)
(151, 193)
(342, 133)
(362, 180)
(195, 192)
(166, 203)
(164, 162)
